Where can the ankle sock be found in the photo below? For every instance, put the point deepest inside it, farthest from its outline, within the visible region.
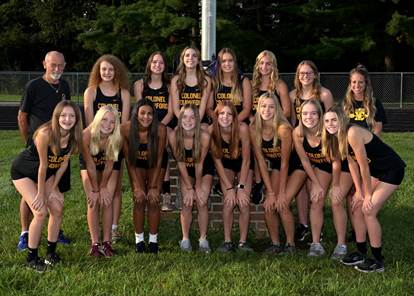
(153, 238)
(362, 247)
(32, 254)
(51, 247)
(377, 253)
(139, 237)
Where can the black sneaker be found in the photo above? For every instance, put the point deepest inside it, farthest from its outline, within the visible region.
(257, 193)
(353, 258)
(302, 233)
(371, 265)
(63, 239)
(288, 249)
(140, 247)
(226, 247)
(52, 259)
(153, 248)
(37, 265)
(244, 247)
(273, 249)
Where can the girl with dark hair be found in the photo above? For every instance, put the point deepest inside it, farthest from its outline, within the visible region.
(108, 85)
(144, 148)
(231, 154)
(155, 87)
(100, 167)
(190, 144)
(377, 171)
(36, 173)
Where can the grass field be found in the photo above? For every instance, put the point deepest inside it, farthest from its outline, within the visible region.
(175, 273)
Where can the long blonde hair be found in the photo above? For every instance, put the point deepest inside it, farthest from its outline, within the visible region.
(236, 87)
(179, 145)
(234, 137)
(182, 72)
(278, 119)
(368, 100)
(113, 145)
(303, 130)
(257, 77)
(336, 145)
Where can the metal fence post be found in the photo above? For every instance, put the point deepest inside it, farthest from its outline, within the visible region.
(401, 88)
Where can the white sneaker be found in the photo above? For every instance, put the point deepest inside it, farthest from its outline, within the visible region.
(316, 250)
(203, 245)
(185, 245)
(339, 252)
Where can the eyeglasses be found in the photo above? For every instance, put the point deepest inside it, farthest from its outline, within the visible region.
(305, 73)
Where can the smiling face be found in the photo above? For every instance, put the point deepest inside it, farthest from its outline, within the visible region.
(145, 115)
(54, 65)
(306, 75)
(188, 122)
(67, 118)
(225, 117)
(331, 122)
(310, 115)
(190, 58)
(227, 63)
(358, 85)
(267, 109)
(107, 71)
(107, 123)
(265, 65)
(157, 64)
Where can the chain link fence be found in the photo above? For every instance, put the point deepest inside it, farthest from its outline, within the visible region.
(394, 89)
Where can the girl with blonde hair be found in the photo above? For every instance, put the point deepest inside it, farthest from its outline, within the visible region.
(108, 85)
(100, 165)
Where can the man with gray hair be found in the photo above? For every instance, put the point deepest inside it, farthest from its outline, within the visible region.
(40, 97)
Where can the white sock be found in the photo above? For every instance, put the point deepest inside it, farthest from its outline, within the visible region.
(139, 237)
(153, 238)
(114, 227)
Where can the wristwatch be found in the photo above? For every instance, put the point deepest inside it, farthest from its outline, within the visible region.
(240, 186)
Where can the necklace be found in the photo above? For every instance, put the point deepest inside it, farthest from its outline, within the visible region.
(56, 89)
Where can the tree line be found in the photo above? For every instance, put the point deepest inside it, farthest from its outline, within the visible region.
(335, 34)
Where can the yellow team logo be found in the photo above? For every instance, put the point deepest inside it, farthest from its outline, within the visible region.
(359, 114)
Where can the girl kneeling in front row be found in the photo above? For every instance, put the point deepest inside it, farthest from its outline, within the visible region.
(100, 167)
(377, 171)
(190, 145)
(144, 148)
(36, 173)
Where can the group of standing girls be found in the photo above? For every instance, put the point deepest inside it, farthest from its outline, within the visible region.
(255, 134)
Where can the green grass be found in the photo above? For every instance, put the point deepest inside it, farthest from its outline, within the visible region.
(175, 273)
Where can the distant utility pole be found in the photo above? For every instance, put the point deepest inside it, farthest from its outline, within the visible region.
(208, 29)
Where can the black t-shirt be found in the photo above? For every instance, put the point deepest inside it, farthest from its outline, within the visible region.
(360, 114)
(40, 99)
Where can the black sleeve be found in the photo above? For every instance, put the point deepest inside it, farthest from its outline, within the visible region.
(380, 113)
(26, 102)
